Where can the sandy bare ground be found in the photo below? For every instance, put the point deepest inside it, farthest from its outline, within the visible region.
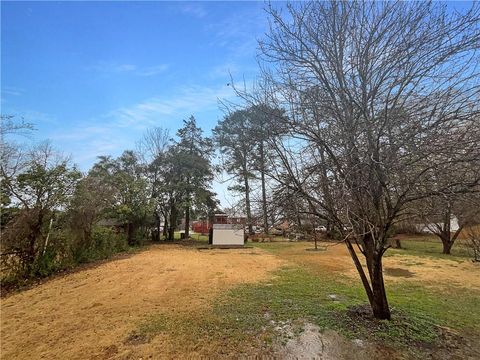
(89, 314)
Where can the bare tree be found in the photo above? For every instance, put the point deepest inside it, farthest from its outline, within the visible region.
(153, 144)
(473, 241)
(11, 125)
(446, 215)
(378, 95)
(152, 150)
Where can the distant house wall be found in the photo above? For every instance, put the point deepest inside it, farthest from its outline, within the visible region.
(426, 228)
(201, 226)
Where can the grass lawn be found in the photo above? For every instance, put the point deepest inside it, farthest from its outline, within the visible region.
(193, 235)
(306, 291)
(431, 247)
(181, 300)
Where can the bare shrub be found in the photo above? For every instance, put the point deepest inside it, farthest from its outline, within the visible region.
(473, 242)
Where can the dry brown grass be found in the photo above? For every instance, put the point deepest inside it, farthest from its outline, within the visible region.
(93, 313)
(89, 314)
(429, 271)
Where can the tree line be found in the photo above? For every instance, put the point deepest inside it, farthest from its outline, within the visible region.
(52, 214)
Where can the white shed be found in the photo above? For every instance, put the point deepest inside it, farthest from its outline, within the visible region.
(228, 234)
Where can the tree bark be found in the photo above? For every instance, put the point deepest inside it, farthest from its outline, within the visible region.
(187, 222)
(173, 222)
(35, 230)
(247, 202)
(360, 270)
(130, 233)
(379, 305)
(447, 246)
(264, 190)
(375, 289)
(165, 229)
(157, 227)
(448, 240)
(30, 254)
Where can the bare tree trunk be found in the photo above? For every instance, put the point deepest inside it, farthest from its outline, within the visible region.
(30, 254)
(448, 239)
(264, 190)
(247, 202)
(35, 230)
(447, 245)
(360, 270)
(165, 228)
(173, 222)
(330, 230)
(379, 305)
(157, 227)
(130, 233)
(446, 233)
(187, 222)
(375, 289)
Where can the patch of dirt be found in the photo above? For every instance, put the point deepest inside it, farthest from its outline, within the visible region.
(451, 346)
(398, 272)
(90, 313)
(311, 343)
(136, 339)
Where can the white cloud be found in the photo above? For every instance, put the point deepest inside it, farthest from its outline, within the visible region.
(116, 68)
(189, 100)
(224, 71)
(37, 118)
(195, 10)
(118, 129)
(124, 68)
(153, 70)
(234, 32)
(8, 90)
(109, 67)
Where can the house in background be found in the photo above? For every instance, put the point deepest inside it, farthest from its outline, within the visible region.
(437, 224)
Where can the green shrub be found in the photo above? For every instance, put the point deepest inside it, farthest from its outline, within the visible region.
(104, 243)
(63, 250)
(55, 256)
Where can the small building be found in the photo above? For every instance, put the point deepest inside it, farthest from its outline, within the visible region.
(226, 233)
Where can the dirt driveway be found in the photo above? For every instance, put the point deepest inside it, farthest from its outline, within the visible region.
(90, 313)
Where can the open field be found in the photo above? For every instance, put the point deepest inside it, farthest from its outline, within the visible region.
(173, 301)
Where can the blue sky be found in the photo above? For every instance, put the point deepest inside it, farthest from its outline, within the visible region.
(92, 76)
